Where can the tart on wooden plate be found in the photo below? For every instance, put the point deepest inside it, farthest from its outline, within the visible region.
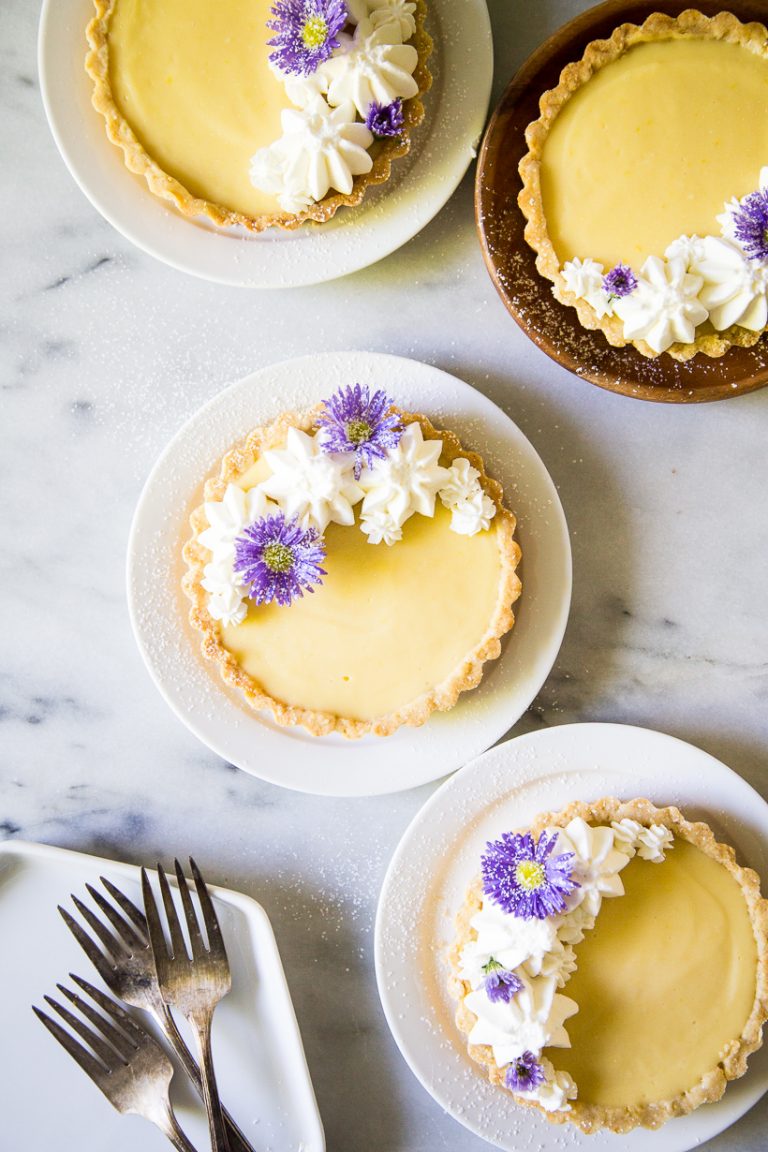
(645, 186)
(352, 567)
(611, 965)
(259, 115)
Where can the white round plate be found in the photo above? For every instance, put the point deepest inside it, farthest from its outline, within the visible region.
(332, 765)
(421, 184)
(439, 856)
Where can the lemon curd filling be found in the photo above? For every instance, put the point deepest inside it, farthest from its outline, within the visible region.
(652, 147)
(193, 81)
(386, 625)
(665, 981)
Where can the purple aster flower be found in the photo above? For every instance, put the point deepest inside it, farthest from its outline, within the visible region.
(306, 33)
(620, 281)
(279, 559)
(524, 1073)
(355, 421)
(750, 225)
(524, 878)
(500, 983)
(385, 119)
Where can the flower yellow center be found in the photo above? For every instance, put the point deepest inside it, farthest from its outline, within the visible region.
(315, 32)
(529, 874)
(358, 431)
(278, 557)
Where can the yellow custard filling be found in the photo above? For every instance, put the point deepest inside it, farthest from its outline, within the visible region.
(192, 79)
(665, 981)
(387, 625)
(652, 147)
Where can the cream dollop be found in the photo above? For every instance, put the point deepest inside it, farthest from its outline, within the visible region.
(585, 279)
(314, 486)
(532, 1019)
(402, 11)
(510, 940)
(650, 843)
(558, 1088)
(735, 288)
(471, 509)
(407, 480)
(664, 307)
(596, 864)
(322, 148)
(373, 65)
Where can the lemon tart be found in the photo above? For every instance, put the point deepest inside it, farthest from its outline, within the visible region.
(352, 568)
(611, 965)
(645, 185)
(260, 112)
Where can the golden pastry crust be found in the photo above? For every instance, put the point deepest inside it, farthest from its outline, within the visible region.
(466, 675)
(136, 159)
(733, 1063)
(690, 24)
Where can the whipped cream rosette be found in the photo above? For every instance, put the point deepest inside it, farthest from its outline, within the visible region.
(352, 569)
(582, 935)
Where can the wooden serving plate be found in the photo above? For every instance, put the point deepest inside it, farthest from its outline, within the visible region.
(511, 263)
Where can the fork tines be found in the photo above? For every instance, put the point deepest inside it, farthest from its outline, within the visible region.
(109, 1044)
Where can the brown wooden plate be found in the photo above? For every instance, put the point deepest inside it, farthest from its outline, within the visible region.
(512, 264)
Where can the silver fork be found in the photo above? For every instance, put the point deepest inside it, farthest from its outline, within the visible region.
(193, 985)
(129, 1066)
(123, 959)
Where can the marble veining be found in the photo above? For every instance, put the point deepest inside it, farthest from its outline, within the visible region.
(104, 353)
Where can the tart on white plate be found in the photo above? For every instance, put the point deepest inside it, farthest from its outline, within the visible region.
(611, 965)
(352, 568)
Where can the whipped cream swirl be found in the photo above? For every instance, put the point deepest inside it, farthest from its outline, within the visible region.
(374, 65)
(311, 485)
(322, 148)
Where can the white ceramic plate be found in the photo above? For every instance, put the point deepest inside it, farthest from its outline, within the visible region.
(290, 756)
(260, 1064)
(439, 856)
(421, 183)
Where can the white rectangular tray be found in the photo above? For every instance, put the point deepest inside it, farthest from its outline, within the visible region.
(260, 1062)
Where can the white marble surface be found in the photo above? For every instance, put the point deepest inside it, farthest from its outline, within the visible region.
(105, 352)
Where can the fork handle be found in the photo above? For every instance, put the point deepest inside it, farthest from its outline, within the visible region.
(175, 1135)
(201, 1025)
(237, 1141)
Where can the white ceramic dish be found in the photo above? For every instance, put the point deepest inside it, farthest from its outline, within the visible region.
(260, 1063)
(438, 857)
(290, 756)
(421, 183)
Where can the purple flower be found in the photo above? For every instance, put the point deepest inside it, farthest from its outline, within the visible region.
(620, 281)
(524, 1073)
(279, 559)
(355, 421)
(499, 982)
(385, 119)
(306, 33)
(750, 225)
(523, 878)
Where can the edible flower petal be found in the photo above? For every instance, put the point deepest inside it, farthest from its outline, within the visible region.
(500, 984)
(385, 119)
(620, 281)
(355, 421)
(279, 560)
(306, 33)
(524, 878)
(524, 1073)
